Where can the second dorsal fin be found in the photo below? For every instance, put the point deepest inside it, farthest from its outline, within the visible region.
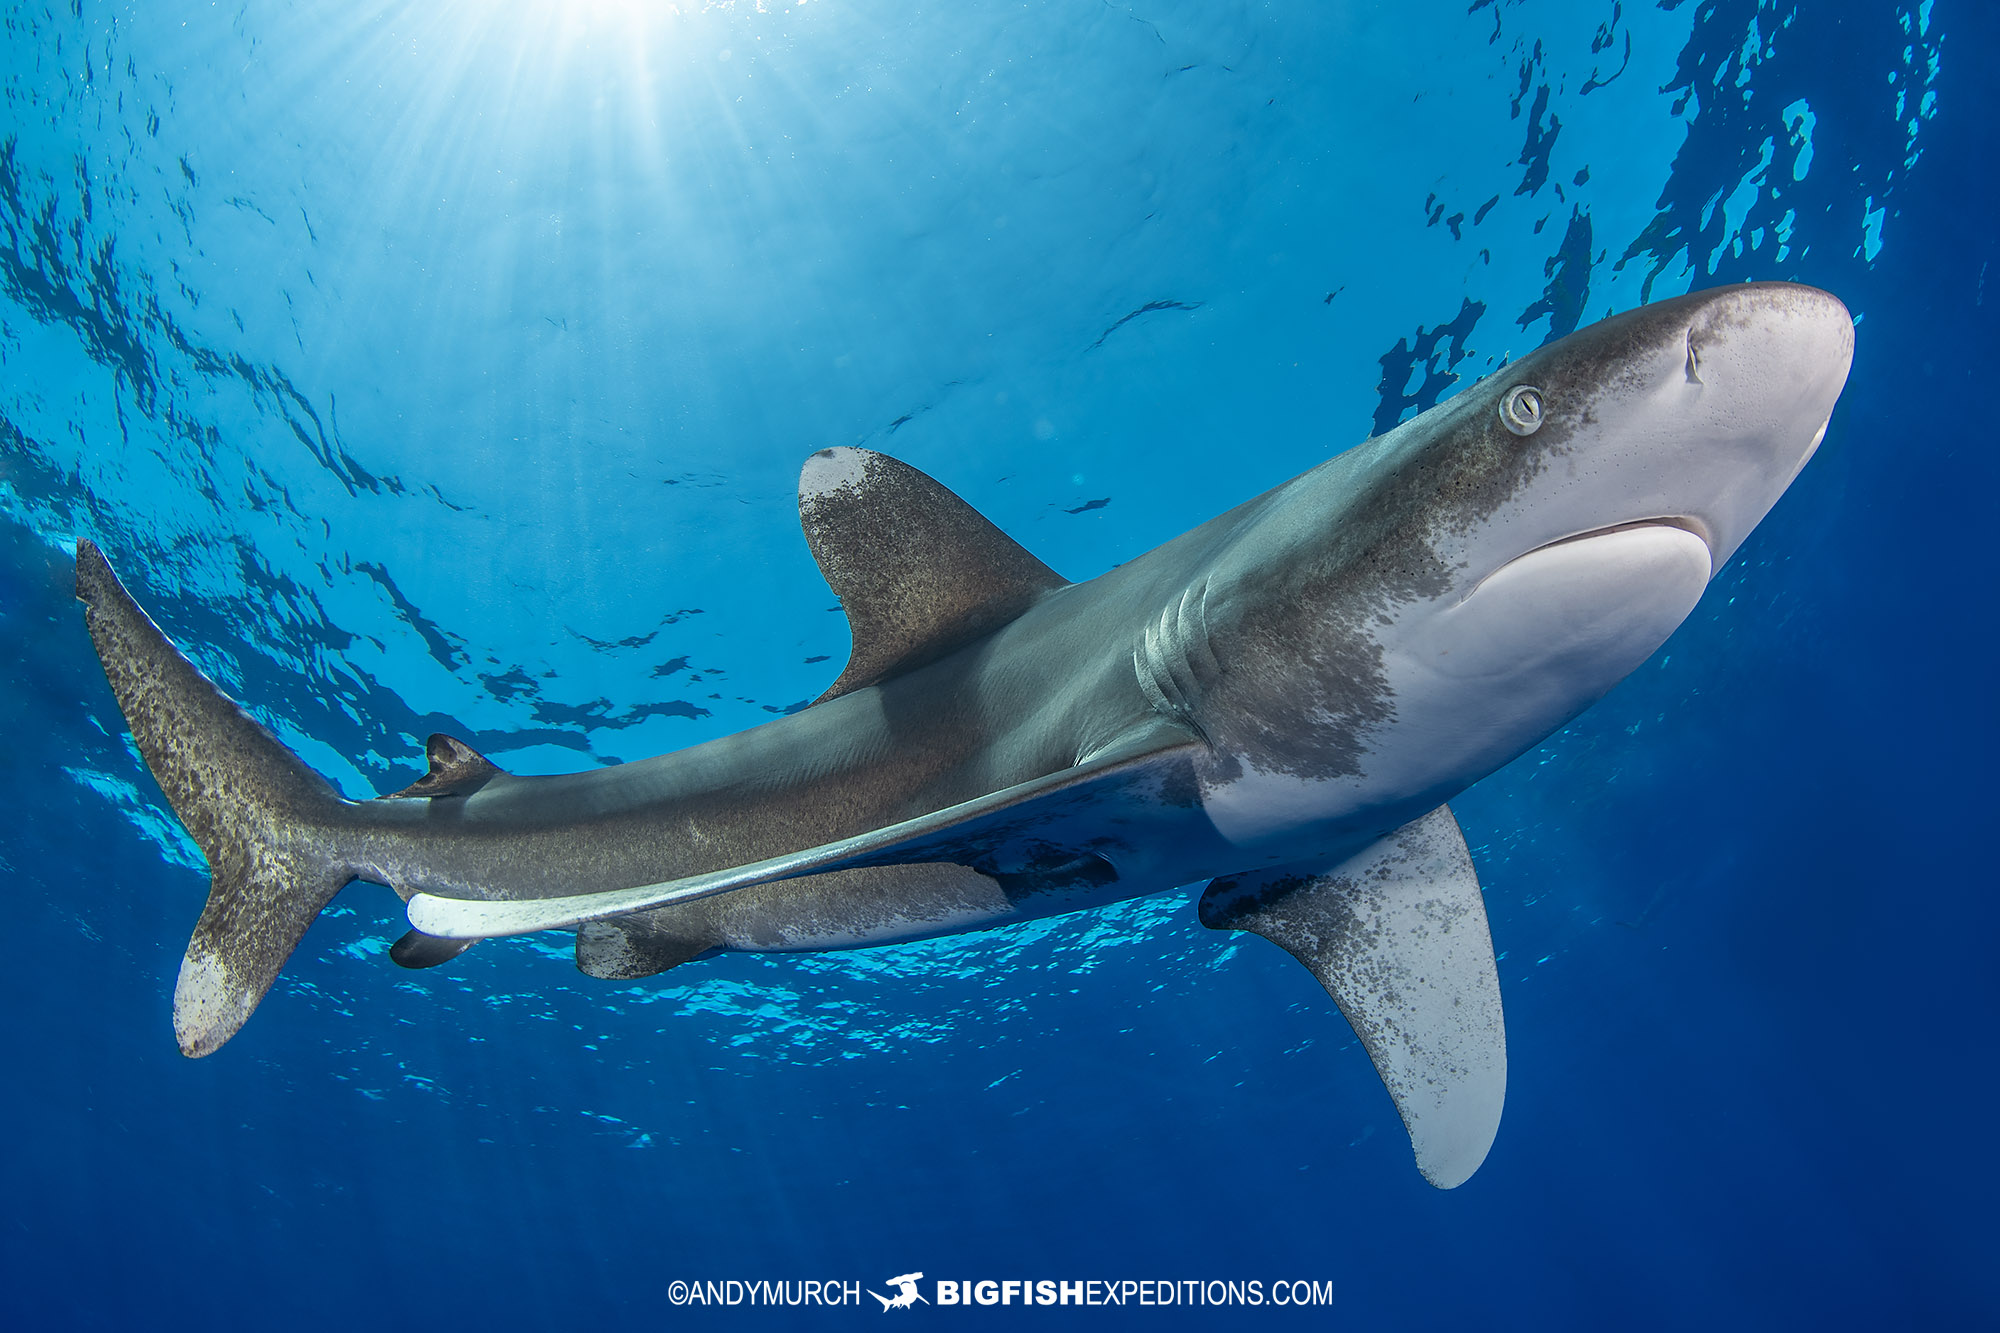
(456, 769)
(919, 571)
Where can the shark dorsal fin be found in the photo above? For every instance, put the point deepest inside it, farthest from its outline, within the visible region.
(919, 571)
(456, 769)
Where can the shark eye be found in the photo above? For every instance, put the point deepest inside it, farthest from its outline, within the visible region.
(1694, 362)
(1521, 409)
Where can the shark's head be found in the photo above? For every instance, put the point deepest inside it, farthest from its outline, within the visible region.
(1695, 413)
(1456, 589)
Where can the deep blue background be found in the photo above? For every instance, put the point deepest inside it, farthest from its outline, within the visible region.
(1745, 904)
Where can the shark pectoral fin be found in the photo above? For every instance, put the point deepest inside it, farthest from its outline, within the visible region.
(417, 950)
(1397, 934)
(627, 948)
(919, 571)
(456, 769)
(1120, 787)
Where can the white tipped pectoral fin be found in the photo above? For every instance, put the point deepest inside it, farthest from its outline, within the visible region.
(1397, 934)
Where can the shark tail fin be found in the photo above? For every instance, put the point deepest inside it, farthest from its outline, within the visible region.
(269, 825)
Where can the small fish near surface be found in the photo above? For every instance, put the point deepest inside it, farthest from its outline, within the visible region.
(1280, 702)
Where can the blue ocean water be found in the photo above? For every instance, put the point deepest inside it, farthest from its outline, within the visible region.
(449, 366)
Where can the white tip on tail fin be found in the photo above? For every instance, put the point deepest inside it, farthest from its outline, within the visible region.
(266, 822)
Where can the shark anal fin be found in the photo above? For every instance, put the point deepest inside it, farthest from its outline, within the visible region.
(456, 769)
(417, 950)
(627, 948)
(919, 571)
(1397, 934)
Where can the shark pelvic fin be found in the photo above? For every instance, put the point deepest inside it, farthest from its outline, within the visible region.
(919, 571)
(271, 828)
(627, 948)
(1397, 934)
(456, 769)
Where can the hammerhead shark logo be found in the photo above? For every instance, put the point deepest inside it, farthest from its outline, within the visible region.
(905, 1298)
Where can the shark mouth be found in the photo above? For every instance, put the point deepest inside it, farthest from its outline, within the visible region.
(1684, 523)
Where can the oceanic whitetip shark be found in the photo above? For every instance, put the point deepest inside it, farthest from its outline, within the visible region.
(1279, 702)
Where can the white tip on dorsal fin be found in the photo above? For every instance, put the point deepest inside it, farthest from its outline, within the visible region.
(919, 571)
(1397, 934)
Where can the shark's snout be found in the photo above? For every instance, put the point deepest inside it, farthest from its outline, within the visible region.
(1777, 335)
(1782, 308)
(1768, 361)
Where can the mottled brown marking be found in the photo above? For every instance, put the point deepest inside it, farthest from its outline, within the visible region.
(266, 822)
